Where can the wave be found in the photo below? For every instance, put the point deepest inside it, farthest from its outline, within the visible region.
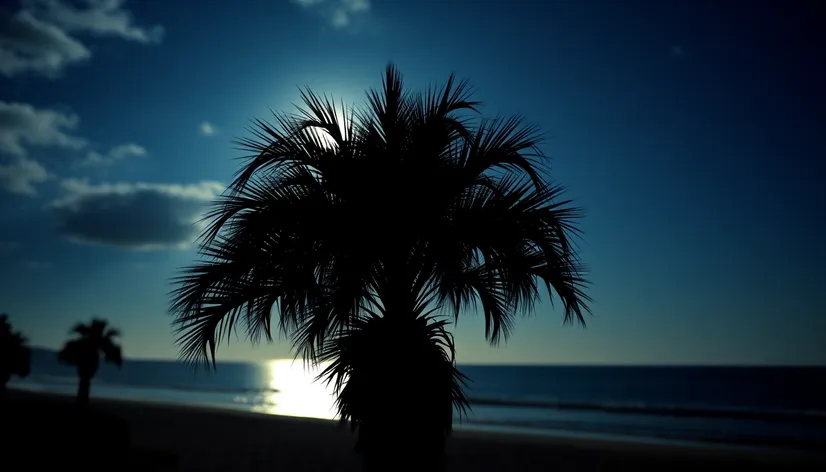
(797, 442)
(673, 410)
(805, 416)
(54, 379)
(220, 389)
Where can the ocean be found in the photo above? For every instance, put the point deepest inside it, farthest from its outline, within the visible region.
(782, 407)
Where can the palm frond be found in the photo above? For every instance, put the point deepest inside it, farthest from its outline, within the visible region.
(474, 261)
(112, 353)
(321, 114)
(506, 144)
(264, 255)
(81, 329)
(273, 146)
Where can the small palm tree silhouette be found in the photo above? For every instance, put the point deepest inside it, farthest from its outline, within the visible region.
(84, 352)
(15, 356)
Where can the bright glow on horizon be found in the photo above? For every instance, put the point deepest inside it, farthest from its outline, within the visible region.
(295, 391)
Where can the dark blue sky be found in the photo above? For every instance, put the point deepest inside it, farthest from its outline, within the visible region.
(692, 133)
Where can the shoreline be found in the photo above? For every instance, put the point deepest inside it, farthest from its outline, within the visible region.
(471, 427)
(202, 437)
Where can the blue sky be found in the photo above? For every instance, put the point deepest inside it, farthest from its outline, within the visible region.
(691, 132)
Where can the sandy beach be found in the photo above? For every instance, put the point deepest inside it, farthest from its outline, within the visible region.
(166, 437)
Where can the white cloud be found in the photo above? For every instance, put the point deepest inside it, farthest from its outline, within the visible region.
(340, 13)
(340, 18)
(137, 216)
(39, 39)
(117, 153)
(100, 17)
(23, 127)
(22, 124)
(76, 190)
(207, 129)
(356, 5)
(30, 45)
(21, 176)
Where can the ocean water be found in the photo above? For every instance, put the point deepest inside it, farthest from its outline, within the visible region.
(781, 407)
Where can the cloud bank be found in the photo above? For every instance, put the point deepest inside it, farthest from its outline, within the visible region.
(22, 124)
(24, 128)
(99, 17)
(134, 216)
(21, 176)
(40, 38)
(117, 153)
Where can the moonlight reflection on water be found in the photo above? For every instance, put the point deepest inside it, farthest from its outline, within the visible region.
(296, 392)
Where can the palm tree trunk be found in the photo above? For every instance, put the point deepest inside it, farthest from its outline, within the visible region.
(403, 422)
(403, 425)
(405, 434)
(83, 391)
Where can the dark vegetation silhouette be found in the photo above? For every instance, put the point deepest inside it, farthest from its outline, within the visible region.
(15, 356)
(50, 432)
(93, 340)
(367, 231)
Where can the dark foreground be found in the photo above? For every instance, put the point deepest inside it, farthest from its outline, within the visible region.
(42, 431)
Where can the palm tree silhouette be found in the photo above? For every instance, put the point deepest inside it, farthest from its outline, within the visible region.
(367, 230)
(84, 352)
(15, 356)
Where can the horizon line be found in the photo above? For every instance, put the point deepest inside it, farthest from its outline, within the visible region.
(499, 364)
